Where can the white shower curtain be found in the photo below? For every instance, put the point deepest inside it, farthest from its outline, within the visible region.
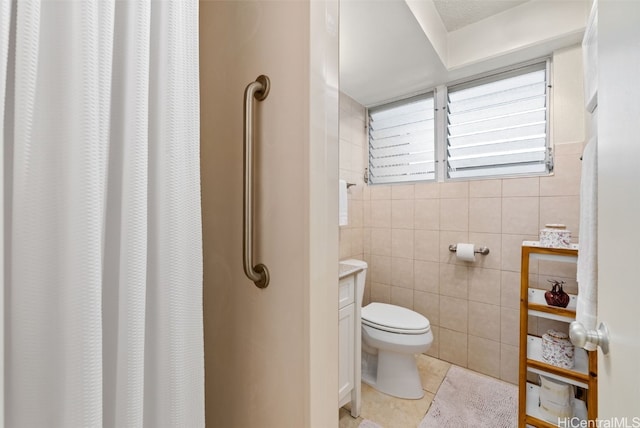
(103, 245)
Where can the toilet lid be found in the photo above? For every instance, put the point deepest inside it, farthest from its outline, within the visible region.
(394, 318)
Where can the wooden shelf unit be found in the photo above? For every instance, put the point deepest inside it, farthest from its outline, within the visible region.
(582, 375)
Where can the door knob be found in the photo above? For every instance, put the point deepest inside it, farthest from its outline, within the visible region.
(580, 336)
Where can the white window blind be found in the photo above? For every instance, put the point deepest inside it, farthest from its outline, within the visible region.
(401, 141)
(498, 126)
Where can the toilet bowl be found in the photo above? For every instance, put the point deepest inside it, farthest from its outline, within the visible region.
(391, 336)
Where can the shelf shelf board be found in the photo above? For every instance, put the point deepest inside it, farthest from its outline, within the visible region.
(538, 306)
(538, 252)
(534, 416)
(534, 422)
(545, 312)
(578, 375)
(536, 297)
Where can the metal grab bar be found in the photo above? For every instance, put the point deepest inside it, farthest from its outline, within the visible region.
(259, 274)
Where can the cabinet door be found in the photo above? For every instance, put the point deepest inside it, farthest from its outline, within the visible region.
(346, 345)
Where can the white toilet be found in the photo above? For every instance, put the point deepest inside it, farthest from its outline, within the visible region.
(391, 336)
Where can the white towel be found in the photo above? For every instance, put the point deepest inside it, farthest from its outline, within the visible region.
(586, 311)
(343, 207)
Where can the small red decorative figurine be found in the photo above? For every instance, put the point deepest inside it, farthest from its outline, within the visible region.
(556, 296)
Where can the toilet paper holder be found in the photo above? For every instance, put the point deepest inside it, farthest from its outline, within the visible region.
(480, 250)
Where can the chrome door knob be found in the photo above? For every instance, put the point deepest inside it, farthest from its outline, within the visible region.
(580, 336)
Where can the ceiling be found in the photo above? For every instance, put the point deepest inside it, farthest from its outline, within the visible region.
(391, 49)
(383, 51)
(456, 14)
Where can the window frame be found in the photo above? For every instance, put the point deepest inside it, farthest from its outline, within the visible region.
(493, 76)
(399, 102)
(440, 97)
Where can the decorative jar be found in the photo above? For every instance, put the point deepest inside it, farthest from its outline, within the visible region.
(557, 350)
(555, 236)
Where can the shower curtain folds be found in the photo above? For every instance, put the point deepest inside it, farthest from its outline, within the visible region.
(103, 242)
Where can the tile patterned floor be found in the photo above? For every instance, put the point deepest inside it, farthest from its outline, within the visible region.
(391, 412)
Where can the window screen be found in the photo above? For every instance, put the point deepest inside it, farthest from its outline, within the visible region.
(401, 141)
(498, 126)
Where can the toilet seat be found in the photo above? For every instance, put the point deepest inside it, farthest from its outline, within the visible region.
(394, 319)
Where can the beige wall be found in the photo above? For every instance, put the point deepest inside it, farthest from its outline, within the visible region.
(353, 160)
(473, 307)
(271, 354)
(322, 224)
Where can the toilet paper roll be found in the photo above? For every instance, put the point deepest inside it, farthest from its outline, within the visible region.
(465, 252)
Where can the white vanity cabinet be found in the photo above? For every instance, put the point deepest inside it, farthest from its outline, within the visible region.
(346, 344)
(349, 343)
